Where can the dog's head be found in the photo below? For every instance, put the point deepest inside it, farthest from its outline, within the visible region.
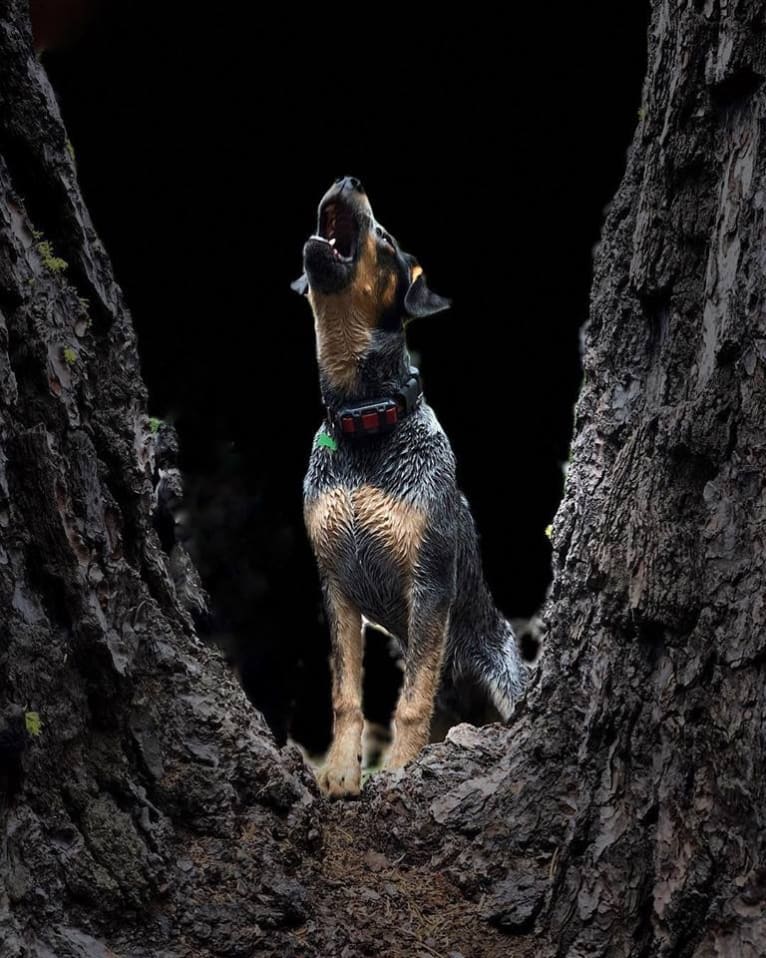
(353, 264)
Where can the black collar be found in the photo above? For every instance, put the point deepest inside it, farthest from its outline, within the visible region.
(376, 416)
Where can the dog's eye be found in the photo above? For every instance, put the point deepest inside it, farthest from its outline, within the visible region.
(386, 238)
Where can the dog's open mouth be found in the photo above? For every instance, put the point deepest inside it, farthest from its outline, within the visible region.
(338, 228)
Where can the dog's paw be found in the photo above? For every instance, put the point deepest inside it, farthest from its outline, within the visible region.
(396, 761)
(340, 781)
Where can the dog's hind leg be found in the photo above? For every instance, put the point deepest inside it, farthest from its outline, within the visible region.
(432, 592)
(422, 670)
(342, 771)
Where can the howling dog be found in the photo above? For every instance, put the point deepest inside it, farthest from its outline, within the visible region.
(393, 536)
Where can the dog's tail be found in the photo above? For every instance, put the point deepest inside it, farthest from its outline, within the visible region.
(504, 675)
(495, 664)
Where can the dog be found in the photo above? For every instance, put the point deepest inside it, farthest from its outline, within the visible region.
(393, 537)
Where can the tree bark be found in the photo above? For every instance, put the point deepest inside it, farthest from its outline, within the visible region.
(621, 811)
(153, 810)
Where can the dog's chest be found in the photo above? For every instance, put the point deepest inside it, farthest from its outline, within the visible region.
(370, 511)
(361, 528)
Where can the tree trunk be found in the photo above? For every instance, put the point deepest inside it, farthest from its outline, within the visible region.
(621, 812)
(153, 809)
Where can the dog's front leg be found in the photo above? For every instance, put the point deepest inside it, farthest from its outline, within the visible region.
(342, 771)
(425, 650)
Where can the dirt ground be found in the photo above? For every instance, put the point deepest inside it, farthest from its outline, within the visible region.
(392, 907)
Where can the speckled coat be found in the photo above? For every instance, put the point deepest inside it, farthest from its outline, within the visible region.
(393, 536)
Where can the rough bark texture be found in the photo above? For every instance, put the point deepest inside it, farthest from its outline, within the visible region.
(153, 788)
(621, 813)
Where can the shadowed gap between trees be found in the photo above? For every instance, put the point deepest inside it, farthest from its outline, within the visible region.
(203, 176)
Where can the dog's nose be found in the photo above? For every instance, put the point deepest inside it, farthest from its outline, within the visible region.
(349, 183)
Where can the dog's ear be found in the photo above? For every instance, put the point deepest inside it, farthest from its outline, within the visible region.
(300, 285)
(419, 300)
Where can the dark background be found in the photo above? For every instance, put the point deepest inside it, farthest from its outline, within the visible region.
(204, 142)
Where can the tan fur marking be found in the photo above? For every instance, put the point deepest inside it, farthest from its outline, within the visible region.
(389, 293)
(397, 524)
(329, 516)
(347, 685)
(412, 719)
(416, 271)
(342, 772)
(344, 321)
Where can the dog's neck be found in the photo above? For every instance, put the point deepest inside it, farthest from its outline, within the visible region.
(354, 369)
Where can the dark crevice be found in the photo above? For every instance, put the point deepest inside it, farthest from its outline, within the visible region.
(657, 311)
(708, 670)
(530, 639)
(653, 637)
(736, 89)
(49, 587)
(227, 349)
(10, 299)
